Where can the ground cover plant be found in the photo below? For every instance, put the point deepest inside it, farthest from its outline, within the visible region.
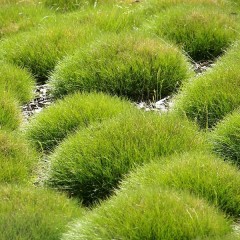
(17, 159)
(30, 213)
(10, 115)
(131, 66)
(203, 32)
(200, 174)
(74, 112)
(151, 213)
(226, 137)
(210, 96)
(16, 81)
(90, 163)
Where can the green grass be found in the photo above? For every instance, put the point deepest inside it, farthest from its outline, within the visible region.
(207, 98)
(201, 174)
(17, 159)
(90, 164)
(204, 32)
(18, 82)
(10, 116)
(127, 65)
(30, 213)
(76, 111)
(151, 213)
(226, 137)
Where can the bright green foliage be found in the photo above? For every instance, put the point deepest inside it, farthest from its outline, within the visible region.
(74, 112)
(132, 66)
(16, 81)
(17, 159)
(226, 138)
(151, 213)
(203, 32)
(16, 17)
(10, 116)
(199, 173)
(90, 164)
(209, 97)
(30, 213)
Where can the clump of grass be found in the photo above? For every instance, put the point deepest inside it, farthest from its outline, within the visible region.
(39, 50)
(10, 116)
(17, 158)
(131, 66)
(151, 213)
(17, 17)
(209, 97)
(203, 32)
(74, 112)
(30, 213)
(201, 174)
(226, 137)
(90, 164)
(16, 81)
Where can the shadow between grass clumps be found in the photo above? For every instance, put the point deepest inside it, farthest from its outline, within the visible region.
(89, 164)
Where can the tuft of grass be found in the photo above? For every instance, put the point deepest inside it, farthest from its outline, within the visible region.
(131, 66)
(76, 111)
(207, 98)
(10, 116)
(226, 137)
(204, 32)
(200, 174)
(31, 213)
(16, 81)
(90, 164)
(17, 159)
(151, 213)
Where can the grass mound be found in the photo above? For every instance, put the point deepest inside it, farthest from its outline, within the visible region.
(90, 164)
(10, 116)
(203, 175)
(17, 81)
(151, 213)
(226, 138)
(74, 112)
(203, 32)
(209, 97)
(132, 66)
(17, 159)
(29, 213)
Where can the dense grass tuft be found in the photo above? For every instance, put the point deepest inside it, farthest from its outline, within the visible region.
(201, 174)
(16, 81)
(30, 213)
(132, 66)
(226, 138)
(74, 112)
(91, 163)
(10, 116)
(203, 32)
(151, 213)
(17, 159)
(209, 97)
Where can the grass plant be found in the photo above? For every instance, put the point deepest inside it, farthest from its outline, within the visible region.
(90, 163)
(207, 98)
(201, 174)
(204, 32)
(131, 66)
(76, 111)
(16, 81)
(151, 213)
(226, 137)
(31, 213)
(17, 159)
(10, 116)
